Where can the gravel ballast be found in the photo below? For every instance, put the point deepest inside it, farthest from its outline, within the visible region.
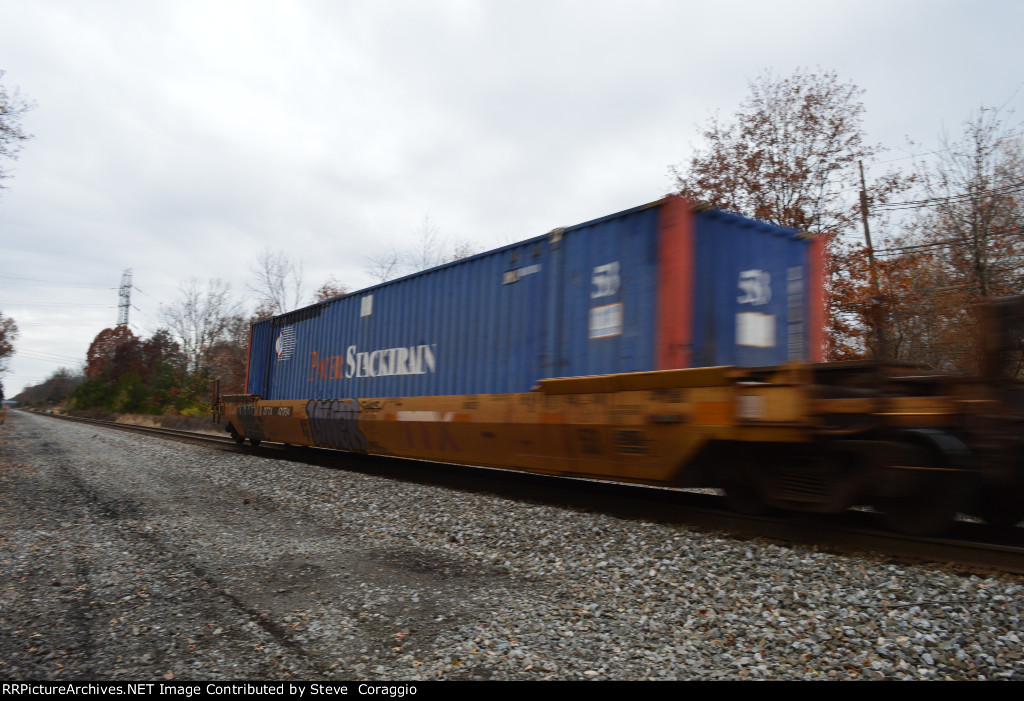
(125, 557)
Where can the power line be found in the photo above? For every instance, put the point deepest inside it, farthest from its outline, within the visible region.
(932, 201)
(56, 283)
(21, 325)
(52, 304)
(913, 155)
(57, 361)
(943, 243)
(934, 244)
(956, 144)
(42, 355)
(45, 353)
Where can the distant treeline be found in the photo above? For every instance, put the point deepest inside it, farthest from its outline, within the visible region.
(130, 375)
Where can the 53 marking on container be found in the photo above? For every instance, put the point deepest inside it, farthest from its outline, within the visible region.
(756, 286)
(605, 280)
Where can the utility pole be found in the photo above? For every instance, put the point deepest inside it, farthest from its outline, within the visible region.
(882, 349)
(867, 230)
(125, 295)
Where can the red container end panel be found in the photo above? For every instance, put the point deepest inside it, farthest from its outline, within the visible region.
(675, 291)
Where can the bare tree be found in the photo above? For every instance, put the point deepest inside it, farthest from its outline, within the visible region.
(278, 282)
(8, 335)
(200, 318)
(12, 137)
(384, 266)
(964, 243)
(974, 205)
(429, 250)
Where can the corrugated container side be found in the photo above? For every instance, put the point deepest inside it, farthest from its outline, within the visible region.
(653, 287)
(467, 327)
(609, 295)
(751, 293)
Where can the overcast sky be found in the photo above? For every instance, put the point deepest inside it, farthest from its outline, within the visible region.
(180, 138)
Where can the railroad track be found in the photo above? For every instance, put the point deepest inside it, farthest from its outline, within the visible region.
(194, 436)
(968, 545)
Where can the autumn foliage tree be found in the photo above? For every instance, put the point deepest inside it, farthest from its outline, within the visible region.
(330, 289)
(163, 368)
(790, 157)
(964, 243)
(871, 312)
(124, 373)
(113, 352)
(112, 367)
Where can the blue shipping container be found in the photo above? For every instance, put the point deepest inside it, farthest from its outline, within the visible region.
(654, 287)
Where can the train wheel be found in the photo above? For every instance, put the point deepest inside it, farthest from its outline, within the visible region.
(1002, 510)
(254, 442)
(240, 440)
(1003, 505)
(743, 492)
(1001, 502)
(927, 501)
(744, 499)
(927, 482)
(931, 513)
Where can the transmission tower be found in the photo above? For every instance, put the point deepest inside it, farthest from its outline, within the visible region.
(125, 293)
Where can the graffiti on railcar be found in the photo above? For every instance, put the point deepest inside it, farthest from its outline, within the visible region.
(250, 425)
(335, 424)
(372, 406)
